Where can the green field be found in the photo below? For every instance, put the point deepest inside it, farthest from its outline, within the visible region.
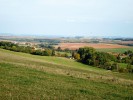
(25, 76)
(119, 50)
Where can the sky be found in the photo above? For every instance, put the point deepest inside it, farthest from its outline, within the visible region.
(67, 17)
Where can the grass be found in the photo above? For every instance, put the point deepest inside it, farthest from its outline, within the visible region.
(25, 76)
(119, 50)
(123, 65)
(61, 52)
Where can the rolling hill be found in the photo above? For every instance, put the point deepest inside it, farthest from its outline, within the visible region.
(25, 76)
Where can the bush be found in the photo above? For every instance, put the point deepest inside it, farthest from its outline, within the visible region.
(129, 68)
(107, 66)
(114, 66)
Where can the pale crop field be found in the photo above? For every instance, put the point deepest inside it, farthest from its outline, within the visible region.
(74, 46)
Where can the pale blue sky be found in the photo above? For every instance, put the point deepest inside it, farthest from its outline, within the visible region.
(67, 17)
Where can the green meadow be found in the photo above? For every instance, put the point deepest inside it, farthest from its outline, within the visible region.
(118, 50)
(31, 77)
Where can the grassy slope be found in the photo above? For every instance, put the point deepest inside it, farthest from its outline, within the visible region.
(25, 76)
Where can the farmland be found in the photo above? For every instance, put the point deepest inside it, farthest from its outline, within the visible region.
(26, 76)
(66, 50)
(74, 46)
(117, 50)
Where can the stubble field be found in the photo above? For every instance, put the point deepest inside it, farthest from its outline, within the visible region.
(74, 46)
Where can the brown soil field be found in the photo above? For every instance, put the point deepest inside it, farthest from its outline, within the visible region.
(74, 46)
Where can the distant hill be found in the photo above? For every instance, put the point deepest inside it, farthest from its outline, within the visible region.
(6, 34)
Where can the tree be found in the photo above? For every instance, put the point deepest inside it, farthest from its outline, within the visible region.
(87, 55)
(102, 57)
(129, 52)
(59, 49)
(107, 65)
(37, 52)
(119, 58)
(77, 56)
(14, 48)
(53, 52)
(48, 52)
(73, 54)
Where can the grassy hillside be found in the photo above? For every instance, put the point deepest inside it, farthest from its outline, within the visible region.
(25, 76)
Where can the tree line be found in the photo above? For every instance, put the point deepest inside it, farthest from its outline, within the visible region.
(90, 56)
(45, 50)
(86, 55)
(26, 49)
